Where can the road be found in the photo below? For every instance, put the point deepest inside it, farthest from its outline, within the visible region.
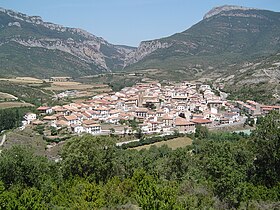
(126, 142)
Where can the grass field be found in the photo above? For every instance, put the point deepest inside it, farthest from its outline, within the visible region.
(32, 139)
(173, 143)
(63, 86)
(27, 138)
(5, 105)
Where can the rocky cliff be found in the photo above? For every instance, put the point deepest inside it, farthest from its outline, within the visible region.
(85, 48)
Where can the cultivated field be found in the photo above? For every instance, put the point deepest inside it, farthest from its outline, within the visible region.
(63, 86)
(173, 143)
(27, 80)
(5, 105)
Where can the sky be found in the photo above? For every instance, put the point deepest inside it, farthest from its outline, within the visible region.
(128, 22)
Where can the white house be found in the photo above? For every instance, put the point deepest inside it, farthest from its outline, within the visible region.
(71, 119)
(29, 117)
(77, 128)
(45, 110)
(92, 128)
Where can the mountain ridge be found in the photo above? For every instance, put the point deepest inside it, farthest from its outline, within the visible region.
(226, 35)
(239, 32)
(89, 51)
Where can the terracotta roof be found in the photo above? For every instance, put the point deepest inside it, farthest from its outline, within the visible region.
(182, 122)
(71, 117)
(43, 108)
(92, 125)
(49, 118)
(62, 122)
(267, 108)
(37, 122)
(252, 102)
(86, 114)
(102, 109)
(89, 122)
(167, 117)
(141, 110)
(114, 111)
(201, 121)
(59, 109)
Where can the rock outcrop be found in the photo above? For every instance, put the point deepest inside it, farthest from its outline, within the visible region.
(33, 32)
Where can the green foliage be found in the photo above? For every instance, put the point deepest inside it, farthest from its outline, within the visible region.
(210, 47)
(12, 117)
(88, 157)
(133, 124)
(221, 171)
(54, 131)
(149, 140)
(201, 132)
(40, 129)
(227, 164)
(260, 92)
(27, 93)
(267, 144)
(20, 166)
(139, 134)
(152, 195)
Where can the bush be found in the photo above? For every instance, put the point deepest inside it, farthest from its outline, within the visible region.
(151, 140)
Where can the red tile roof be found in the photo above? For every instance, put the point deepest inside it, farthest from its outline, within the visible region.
(201, 121)
(43, 108)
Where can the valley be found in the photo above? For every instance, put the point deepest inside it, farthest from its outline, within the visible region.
(186, 121)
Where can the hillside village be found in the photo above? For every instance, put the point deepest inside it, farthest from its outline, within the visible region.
(153, 107)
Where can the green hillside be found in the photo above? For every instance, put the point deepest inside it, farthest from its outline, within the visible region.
(218, 41)
(17, 60)
(31, 47)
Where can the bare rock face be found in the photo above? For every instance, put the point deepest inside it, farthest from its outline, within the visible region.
(225, 8)
(14, 24)
(74, 41)
(145, 48)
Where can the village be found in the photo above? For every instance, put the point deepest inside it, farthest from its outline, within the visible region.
(150, 108)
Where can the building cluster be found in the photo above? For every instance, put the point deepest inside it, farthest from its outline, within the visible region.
(255, 109)
(154, 107)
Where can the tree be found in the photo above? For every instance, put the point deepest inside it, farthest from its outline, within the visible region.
(178, 164)
(227, 165)
(152, 195)
(112, 131)
(133, 124)
(53, 131)
(139, 134)
(89, 156)
(267, 139)
(201, 132)
(19, 165)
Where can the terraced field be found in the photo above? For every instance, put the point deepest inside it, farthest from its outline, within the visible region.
(5, 105)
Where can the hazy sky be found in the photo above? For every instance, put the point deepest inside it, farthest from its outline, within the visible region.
(128, 21)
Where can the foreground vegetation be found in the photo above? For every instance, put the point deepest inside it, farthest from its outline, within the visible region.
(173, 143)
(219, 171)
(12, 117)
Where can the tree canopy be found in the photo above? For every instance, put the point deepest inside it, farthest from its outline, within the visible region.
(220, 171)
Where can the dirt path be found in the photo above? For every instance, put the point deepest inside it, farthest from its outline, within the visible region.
(3, 140)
